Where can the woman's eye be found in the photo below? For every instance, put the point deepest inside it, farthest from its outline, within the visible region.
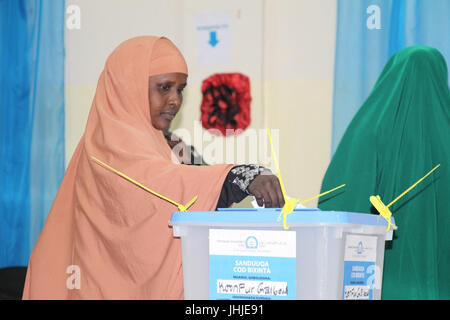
(164, 87)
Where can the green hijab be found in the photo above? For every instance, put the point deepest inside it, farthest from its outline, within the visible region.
(399, 134)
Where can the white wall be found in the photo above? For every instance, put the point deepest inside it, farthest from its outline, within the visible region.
(286, 48)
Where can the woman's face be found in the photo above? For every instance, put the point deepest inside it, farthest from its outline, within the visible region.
(165, 97)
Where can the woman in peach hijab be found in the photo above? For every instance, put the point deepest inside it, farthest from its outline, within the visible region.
(106, 238)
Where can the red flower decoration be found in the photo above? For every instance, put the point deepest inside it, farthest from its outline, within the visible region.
(226, 103)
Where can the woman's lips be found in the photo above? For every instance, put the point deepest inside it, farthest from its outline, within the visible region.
(167, 115)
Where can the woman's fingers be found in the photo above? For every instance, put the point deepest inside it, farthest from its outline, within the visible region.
(267, 198)
(259, 198)
(279, 193)
(267, 188)
(274, 190)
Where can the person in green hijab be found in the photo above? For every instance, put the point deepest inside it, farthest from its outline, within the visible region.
(399, 134)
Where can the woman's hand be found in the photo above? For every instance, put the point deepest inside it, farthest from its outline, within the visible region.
(267, 191)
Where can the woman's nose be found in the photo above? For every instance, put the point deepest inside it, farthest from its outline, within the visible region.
(175, 99)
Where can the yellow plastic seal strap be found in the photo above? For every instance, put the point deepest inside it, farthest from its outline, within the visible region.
(291, 203)
(288, 207)
(322, 194)
(179, 206)
(384, 209)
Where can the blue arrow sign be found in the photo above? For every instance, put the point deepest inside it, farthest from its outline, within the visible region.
(213, 38)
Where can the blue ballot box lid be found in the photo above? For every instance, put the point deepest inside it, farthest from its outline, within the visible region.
(270, 216)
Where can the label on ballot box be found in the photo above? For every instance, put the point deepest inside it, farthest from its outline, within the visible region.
(252, 264)
(359, 267)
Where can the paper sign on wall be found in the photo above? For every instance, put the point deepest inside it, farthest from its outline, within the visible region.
(359, 267)
(213, 38)
(252, 264)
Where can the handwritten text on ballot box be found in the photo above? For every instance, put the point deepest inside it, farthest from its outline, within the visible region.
(252, 264)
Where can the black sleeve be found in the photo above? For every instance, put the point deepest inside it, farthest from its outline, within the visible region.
(236, 183)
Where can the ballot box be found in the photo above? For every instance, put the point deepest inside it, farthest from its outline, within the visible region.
(250, 254)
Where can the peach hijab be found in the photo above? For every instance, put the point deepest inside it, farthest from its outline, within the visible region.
(111, 233)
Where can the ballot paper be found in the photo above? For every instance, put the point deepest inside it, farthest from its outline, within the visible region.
(255, 204)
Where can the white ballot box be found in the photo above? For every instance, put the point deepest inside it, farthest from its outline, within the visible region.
(247, 254)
